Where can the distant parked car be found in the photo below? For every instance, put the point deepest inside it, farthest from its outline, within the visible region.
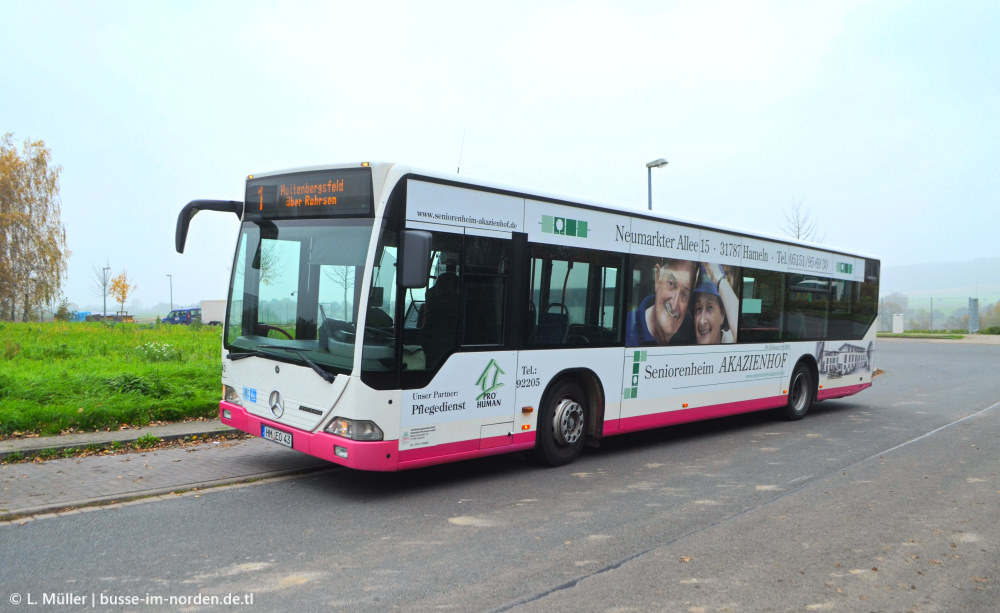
(182, 316)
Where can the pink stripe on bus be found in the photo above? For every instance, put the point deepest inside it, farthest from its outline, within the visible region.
(672, 418)
(463, 450)
(385, 455)
(840, 392)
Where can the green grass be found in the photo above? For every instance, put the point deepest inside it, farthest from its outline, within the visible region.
(56, 377)
(147, 440)
(930, 335)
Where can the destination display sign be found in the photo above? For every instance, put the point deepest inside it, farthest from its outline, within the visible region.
(342, 192)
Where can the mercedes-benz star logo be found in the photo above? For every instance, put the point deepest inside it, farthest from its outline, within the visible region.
(277, 406)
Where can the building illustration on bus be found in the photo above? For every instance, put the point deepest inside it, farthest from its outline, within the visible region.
(387, 318)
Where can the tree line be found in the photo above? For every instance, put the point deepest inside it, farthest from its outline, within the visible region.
(941, 314)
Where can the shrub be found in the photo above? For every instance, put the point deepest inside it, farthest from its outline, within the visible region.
(10, 349)
(147, 440)
(159, 352)
(129, 383)
(13, 456)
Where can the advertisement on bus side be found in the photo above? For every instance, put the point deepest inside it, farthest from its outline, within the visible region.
(470, 387)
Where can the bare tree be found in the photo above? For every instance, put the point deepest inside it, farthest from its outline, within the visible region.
(270, 262)
(343, 277)
(895, 302)
(102, 284)
(801, 225)
(921, 320)
(990, 316)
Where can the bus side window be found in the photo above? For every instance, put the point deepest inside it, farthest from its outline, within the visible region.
(807, 300)
(852, 308)
(761, 306)
(575, 297)
(551, 292)
(484, 273)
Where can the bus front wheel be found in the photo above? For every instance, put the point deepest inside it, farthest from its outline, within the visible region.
(562, 425)
(800, 393)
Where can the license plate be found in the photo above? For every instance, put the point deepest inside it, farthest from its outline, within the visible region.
(278, 436)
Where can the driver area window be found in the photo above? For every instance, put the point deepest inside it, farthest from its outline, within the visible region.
(462, 307)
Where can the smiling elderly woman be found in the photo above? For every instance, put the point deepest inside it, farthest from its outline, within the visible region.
(714, 307)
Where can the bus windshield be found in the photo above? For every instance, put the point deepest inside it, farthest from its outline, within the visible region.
(295, 290)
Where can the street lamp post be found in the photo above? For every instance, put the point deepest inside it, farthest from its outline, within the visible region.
(660, 163)
(104, 315)
(171, 277)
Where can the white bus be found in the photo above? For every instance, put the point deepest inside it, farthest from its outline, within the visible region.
(385, 318)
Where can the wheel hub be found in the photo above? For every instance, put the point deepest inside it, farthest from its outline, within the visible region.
(567, 422)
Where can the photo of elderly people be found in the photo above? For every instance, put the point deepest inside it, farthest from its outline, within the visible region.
(682, 302)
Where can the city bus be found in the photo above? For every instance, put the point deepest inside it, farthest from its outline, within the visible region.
(387, 318)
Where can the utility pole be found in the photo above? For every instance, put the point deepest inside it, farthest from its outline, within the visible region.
(107, 271)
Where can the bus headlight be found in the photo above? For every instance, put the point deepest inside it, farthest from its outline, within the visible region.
(229, 395)
(356, 430)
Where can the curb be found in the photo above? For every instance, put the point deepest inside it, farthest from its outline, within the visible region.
(31, 513)
(34, 446)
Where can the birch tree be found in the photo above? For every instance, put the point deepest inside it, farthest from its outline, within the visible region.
(33, 253)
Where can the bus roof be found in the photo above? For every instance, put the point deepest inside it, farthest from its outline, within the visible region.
(382, 171)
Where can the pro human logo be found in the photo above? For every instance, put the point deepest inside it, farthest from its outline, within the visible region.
(489, 382)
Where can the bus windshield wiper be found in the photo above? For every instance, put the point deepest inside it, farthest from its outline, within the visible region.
(260, 354)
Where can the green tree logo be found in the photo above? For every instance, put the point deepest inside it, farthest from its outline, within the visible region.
(488, 384)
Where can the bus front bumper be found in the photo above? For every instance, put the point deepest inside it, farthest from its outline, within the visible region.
(361, 455)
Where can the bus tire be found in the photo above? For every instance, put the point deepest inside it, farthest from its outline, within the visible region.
(562, 425)
(801, 393)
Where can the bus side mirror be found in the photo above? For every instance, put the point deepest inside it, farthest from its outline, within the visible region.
(415, 263)
(191, 208)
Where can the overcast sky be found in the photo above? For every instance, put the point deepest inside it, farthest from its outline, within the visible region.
(880, 118)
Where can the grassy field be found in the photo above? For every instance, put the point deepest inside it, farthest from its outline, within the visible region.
(923, 335)
(59, 377)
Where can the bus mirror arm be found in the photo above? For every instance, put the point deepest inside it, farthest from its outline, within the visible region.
(415, 263)
(191, 208)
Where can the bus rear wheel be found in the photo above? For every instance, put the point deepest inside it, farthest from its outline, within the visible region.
(562, 425)
(800, 393)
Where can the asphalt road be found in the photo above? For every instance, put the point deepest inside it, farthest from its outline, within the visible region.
(886, 501)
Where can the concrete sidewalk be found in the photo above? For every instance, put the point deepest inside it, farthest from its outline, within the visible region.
(167, 432)
(35, 488)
